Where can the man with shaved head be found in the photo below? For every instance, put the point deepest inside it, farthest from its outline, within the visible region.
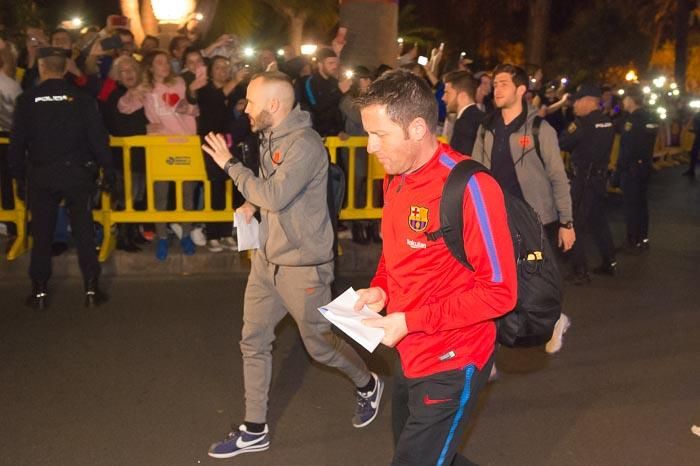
(293, 269)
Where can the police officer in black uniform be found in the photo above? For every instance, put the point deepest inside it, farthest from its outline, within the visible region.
(57, 144)
(639, 130)
(589, 139)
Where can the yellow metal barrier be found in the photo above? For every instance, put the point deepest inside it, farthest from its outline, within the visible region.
(18, 216)
(177, 159)
(367, 209)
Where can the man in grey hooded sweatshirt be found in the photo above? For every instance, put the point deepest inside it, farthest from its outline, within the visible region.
(505, 144)
(293, 270)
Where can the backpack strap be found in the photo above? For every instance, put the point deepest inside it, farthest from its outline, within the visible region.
(309, 93)
(536, 137)
(451, 209)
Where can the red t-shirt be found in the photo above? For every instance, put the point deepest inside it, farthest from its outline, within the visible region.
(450, 310)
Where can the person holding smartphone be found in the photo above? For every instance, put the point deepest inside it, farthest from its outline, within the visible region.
(216, 106)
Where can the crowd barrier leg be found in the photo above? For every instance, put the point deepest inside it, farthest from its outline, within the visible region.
(19, 217)
(109, 239)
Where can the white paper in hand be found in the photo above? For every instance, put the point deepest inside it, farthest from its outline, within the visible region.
(247, 234)
(340, 313)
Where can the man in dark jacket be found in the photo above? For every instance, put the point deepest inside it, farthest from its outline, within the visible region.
(639, 131)
(460, 89)
(57, 144)
(322, 93)
(590, 139)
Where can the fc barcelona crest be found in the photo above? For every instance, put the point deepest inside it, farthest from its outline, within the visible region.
(418, 218)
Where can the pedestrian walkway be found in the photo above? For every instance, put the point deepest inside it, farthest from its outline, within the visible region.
(153, 377)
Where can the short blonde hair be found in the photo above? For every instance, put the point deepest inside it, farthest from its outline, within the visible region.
(114, 71)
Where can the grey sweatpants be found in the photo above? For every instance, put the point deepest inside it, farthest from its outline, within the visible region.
(272, 291)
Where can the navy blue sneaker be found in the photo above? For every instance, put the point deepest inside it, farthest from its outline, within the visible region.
(162, 249)
(187, 245)
(240, 441)
(368, 404)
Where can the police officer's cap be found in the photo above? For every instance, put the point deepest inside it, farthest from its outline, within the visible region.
(587, 90)
(46, 52)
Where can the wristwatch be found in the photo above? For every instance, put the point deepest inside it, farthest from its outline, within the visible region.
(230, 163)
(567, 225)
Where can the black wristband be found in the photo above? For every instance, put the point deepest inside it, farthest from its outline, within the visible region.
(567, 225)
(230, 163)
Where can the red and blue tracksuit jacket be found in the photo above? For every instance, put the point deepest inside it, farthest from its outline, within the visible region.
(450, 310)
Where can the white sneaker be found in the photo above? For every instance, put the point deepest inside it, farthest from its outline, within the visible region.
(198, 238)
(560, 328)
(229, 243)
(493, 375)
(695, 430)
(177, 229)
(215, 246)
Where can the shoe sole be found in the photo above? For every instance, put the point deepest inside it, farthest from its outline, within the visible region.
(251, 449)
(376, 411)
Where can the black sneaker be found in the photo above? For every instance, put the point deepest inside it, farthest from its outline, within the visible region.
(606, 268)
(368, 404)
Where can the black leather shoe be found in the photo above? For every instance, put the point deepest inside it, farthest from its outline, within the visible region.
(606, 268)
(39, 298)
(93, 295)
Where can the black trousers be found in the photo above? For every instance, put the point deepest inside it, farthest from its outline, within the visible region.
(429, 414)
(588, 197)
(43, 204)
(634, 181)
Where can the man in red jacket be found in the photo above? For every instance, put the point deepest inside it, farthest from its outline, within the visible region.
(440, 315)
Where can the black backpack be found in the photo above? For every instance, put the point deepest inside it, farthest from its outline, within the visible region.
(538, 308)
(335, 197)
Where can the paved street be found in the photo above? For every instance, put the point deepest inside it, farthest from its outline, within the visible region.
(154, 377)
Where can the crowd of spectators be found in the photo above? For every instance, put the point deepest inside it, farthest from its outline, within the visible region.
(180, 86)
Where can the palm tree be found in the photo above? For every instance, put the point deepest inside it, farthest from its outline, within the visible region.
(372, 32)
(298, 12)
(537, 32)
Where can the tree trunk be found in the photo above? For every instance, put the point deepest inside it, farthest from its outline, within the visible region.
(682, 20)
(296, 30)
(372, 31)
(148, 18)
(130, 9)
(537, 32)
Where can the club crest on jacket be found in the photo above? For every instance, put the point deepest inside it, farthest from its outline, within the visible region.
(418, 218)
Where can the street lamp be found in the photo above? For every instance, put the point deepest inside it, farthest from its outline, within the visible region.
(308, 49)
(631, 76)
(172, 11)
